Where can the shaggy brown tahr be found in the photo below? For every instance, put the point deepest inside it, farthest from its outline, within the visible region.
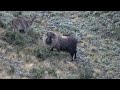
(21, 24)
(61, 42)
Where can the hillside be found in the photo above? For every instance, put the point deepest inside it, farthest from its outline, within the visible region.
(23, 56)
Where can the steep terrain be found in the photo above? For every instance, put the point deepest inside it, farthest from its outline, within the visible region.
(24, 56)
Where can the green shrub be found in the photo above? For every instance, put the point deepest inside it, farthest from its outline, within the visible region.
(85, 71)
(2, 25)
(115, 34)
(14, 38)
(12, 70)
(38, 53)
(32, 37)
(52, 72)
(37, 73)
(40, 72)
(43, 53)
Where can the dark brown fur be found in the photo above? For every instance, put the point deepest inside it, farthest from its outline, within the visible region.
(61, 43)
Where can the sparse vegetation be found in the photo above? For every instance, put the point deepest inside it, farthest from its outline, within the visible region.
(38, 73)
(22, 55)
(85, 72)
(12, 70)
(13, 38)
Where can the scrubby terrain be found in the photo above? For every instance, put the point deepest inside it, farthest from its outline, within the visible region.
(23, 56)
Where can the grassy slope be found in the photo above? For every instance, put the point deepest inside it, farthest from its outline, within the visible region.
(98, 50)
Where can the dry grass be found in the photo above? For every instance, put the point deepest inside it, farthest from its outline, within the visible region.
(24, 56)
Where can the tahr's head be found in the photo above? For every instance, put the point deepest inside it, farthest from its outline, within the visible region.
(50, 37)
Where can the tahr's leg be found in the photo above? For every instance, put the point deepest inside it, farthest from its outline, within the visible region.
(75, 54)
(72, 56)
